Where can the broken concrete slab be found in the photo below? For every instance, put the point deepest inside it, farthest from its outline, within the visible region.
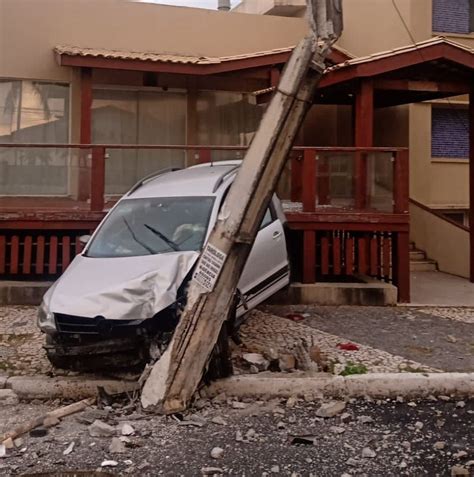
(3, 381)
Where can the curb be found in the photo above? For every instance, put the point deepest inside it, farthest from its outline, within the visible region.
(376, 385)
(263, 385)
(33, 387)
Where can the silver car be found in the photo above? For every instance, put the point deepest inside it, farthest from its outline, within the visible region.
(125, 291)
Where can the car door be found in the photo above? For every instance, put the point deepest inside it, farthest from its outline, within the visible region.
(267, 269)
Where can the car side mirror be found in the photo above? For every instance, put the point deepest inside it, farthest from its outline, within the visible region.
(84, 239)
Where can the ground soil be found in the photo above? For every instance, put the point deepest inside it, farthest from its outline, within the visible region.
(402, 436)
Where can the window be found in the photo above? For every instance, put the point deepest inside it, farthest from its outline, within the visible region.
(449, 133)
(138, 117)
(453, 16)
(152, 226)
(461, 216)
(33, 112)
(267, 218)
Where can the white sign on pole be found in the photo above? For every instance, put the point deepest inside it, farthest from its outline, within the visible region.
(209, 267)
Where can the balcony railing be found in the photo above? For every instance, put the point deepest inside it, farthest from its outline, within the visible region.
(347, 208)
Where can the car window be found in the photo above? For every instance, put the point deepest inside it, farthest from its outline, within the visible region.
(267, 219)
(153, 225)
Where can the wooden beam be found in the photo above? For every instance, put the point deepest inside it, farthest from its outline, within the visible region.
(422, 86)
(397, 61)
(168, 67)
(471, 183)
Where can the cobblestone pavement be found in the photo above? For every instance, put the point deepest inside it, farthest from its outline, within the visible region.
(389, 339)
(21, 351)
(437, 337)
(266, 333)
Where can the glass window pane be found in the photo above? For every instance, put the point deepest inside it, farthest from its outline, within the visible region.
(226, 118)
(152, 226)
(34, 112)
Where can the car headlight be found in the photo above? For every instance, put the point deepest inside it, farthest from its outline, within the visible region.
(46, 321)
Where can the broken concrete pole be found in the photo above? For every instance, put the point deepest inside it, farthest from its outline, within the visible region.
(211, 296)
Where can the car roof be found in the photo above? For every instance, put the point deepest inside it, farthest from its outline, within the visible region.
(201, 180)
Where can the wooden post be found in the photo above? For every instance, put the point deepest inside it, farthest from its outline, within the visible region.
(191, 121)
(309, 256)
(84, 175)
(401, 183)
(401, 265)
(309, 180)
(364, 137)
(97, 183)
(471, 183)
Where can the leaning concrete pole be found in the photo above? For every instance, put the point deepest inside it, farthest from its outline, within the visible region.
(176, 376)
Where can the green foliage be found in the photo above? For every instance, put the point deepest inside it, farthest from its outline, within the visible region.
(354, 368)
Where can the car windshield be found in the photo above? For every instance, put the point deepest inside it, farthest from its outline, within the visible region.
(153, 225)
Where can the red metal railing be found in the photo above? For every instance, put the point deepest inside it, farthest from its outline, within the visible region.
(338, 227)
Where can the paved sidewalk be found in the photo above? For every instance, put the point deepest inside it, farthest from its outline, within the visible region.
(437, 288)
(390, 339)
(438, 337)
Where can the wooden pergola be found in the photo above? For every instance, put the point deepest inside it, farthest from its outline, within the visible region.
(430, 70)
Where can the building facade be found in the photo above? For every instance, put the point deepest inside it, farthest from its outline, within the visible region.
(437, 131)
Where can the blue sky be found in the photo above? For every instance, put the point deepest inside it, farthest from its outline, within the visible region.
(192, 3)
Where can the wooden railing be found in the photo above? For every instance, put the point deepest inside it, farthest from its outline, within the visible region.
(327, 241)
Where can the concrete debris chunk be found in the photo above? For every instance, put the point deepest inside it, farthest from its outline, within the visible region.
(365, 419)
(109, 463)
(352, 462)
(238, 436)
(337, 429)
(3, 451)
(101, 429)
(8, 397)
(460, 404)
(69, 448)
(212, 471)
(419, 425)
(239, 405)
(127, 430)
(275, 469)
(291, 401)
(368, 453)
(460, 455)
(440, 445)
(459, 471)
(219, 420)
(217, 452)
(287, 363)
(8, 443)
(18, 442)
(257, 360)
(331, 409)
(117, 446)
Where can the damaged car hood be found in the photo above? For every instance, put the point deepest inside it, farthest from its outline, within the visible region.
(121, 288)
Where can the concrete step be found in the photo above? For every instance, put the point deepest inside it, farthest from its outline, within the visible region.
(417, 255)
(423, 266)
